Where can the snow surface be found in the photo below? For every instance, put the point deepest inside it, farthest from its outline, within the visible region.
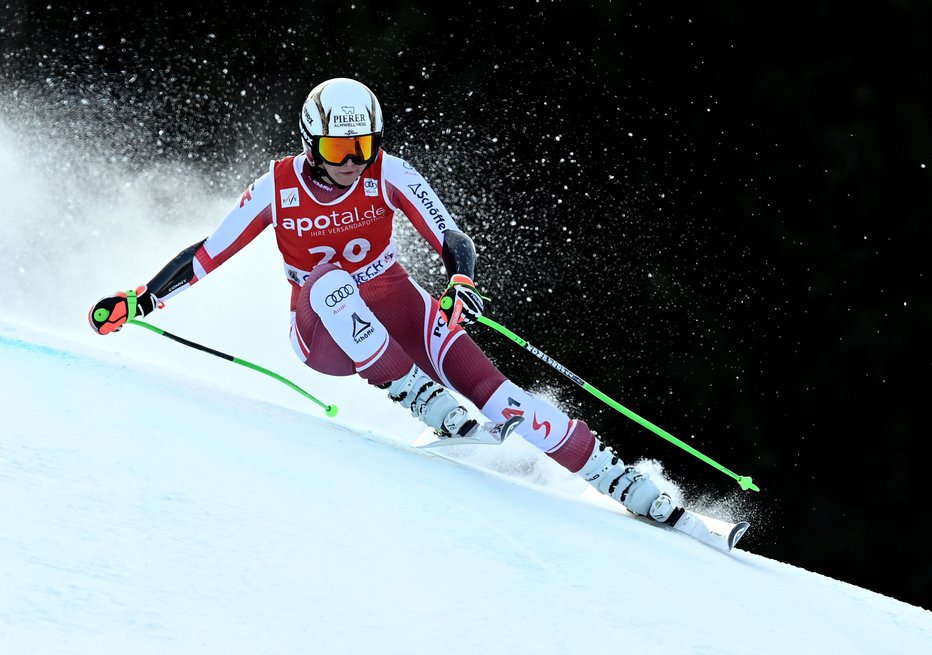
(156, 499)
(144, 511)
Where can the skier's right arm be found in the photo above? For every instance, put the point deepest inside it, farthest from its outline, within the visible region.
(111, 312)
(249, 216)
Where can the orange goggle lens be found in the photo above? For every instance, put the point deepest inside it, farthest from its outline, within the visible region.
(335, 150)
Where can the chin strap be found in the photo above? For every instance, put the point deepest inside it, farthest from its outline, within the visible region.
(319, 173)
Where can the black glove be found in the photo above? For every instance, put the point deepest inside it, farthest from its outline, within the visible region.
(461, 302)
(112, 312)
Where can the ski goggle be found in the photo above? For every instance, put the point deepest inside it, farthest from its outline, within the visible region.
(335, 150)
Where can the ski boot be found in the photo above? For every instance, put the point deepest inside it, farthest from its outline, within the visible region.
(434, 405)
(638, 493)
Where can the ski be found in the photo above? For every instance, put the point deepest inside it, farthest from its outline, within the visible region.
(713, 532)
(716, 533)
(488, 433)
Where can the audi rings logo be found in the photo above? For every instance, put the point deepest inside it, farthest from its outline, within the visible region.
(342, 293)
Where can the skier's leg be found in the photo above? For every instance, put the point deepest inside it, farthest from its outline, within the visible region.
(452, 357)
(315, 347)
(573, 445)
(336, 332)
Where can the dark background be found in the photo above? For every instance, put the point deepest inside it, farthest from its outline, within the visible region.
(717, 213)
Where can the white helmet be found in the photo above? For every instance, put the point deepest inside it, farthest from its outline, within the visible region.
(340, 107)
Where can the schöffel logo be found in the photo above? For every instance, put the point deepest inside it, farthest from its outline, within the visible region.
(362, 330)
(340, 295)
(428, 204)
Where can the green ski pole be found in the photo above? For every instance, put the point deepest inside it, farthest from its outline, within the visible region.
(743, 480)
(330, 410)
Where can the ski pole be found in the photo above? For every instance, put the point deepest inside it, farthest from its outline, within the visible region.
(743, 480)
(330, 410)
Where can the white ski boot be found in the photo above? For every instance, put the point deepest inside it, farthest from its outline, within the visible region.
(432, 404)
(435, 406)
(638, 493)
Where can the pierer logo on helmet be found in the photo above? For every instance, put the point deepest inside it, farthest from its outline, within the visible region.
(348, 120)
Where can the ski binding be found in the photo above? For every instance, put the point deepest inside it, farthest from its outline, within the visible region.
(488, 433)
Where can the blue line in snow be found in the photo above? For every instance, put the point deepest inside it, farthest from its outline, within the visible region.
(10, 342)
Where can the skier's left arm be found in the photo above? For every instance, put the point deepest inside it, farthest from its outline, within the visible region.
(461, 302)
(409, 192)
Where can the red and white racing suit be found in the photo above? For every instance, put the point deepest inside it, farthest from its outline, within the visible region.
(355, 309)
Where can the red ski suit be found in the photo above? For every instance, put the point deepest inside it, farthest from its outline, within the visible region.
(355, 309)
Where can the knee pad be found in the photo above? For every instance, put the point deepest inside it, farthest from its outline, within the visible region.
(335, 298)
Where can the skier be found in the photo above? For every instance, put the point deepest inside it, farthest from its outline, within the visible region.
(354, 307)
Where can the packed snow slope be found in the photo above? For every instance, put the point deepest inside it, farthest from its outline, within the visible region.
(145, 510)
